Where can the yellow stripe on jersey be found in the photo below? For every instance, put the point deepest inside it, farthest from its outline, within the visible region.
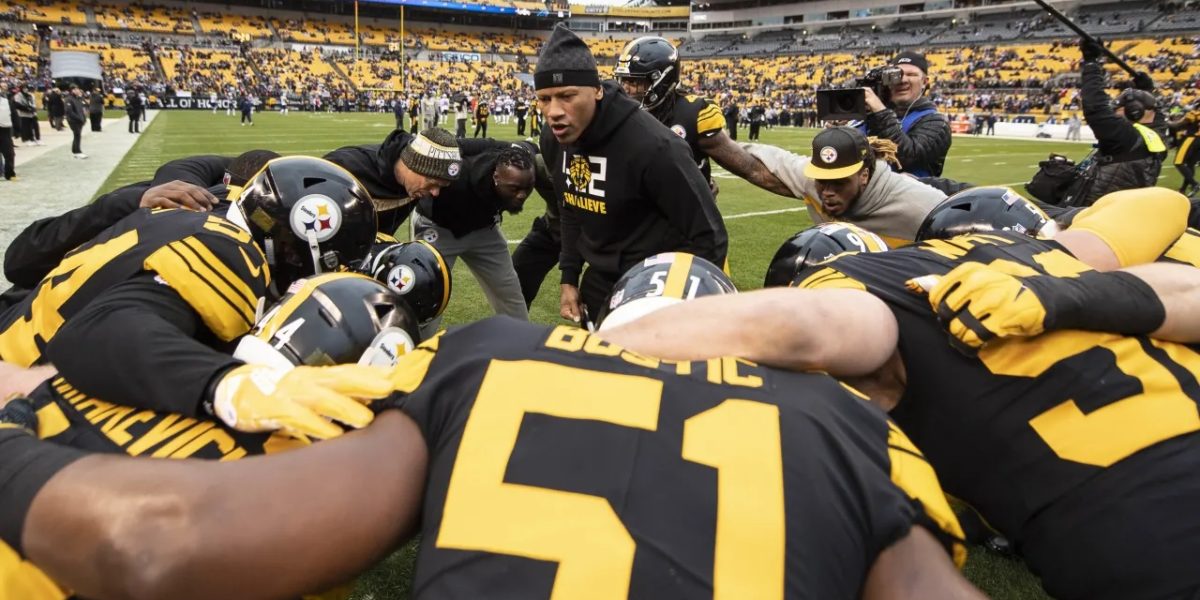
(411, 369)
(51, 421)
(1186, 249)
(677, 276)
(912, 473)
(830, 278)
(224, 300)
(709, 120)
(1182, 152)
(20, 579)
(1110, 216)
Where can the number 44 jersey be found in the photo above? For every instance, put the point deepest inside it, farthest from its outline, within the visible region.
(1080, 447)
(565, 466)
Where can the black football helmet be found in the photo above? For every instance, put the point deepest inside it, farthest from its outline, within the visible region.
(654, 59)
(1135, 102)
(660, 281)
(308, 215)
(985, 209)
(332, 319)
(815, 245)
(416, 271)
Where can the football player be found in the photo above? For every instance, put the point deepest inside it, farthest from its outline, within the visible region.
(1081, 447)
(1187, 154)
(648, 69)
(550, 463)
(137, 315)
(816, 245)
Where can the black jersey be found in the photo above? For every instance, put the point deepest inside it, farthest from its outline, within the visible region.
(693, 118)
(69, 417)
(560, 463)
(1048, 425)
(211, 263)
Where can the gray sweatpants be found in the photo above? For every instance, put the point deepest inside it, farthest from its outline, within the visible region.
(486, 253)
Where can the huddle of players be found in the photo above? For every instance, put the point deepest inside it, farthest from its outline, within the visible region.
(643, 460)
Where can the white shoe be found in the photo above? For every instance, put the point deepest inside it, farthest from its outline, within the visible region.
(39, 143)
(80, 155)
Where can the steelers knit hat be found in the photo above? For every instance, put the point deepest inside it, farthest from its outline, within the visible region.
(565, 60)
(433, 153)
(837, 152)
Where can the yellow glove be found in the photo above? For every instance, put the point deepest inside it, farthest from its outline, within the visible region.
(976, 304)
(301, 401)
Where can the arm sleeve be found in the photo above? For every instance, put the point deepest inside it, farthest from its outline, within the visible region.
(925, 144)
(683, 195)
(1114, 133)
(26, 464)
(135, 346)
(204, 171)
(42, 245)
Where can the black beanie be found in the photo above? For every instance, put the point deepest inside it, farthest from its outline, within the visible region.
(433, 153)
(565, 60)
(916, 59)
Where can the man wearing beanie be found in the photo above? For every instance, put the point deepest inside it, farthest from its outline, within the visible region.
(908, 118)
(402, 170)
(628, 186)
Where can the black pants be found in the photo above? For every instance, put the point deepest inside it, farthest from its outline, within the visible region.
(77, 132)
(461, 130)
(412, 128)
(96, 117)
(7, 153)
(134, 123)
(534, 257)
(29, 129)
(754, 127)
(594, 288)
(733, 132)
(521, 126)
(56, 122)
(400, 122)
(535, 128)
(246, 117)
(480, 125)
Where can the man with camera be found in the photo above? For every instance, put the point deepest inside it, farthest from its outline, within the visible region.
(899, 111)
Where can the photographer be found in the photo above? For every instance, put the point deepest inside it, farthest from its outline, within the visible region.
(1129, 152)
(908, 118)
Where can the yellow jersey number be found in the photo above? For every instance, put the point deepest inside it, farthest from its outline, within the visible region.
(1121, 426)
(581, 532)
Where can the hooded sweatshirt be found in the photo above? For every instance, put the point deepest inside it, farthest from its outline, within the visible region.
(628, 189)
(892, 205)
(374, 167)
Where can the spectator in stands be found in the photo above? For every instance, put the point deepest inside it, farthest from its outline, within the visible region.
(76, 115)
(1129, 153)
(7, 155)
(56, 109)
(465, 219)
(133, 108)
(26, 111)
(96, 107)
(921, 133)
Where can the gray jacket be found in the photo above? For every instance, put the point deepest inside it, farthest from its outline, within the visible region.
(892, 205)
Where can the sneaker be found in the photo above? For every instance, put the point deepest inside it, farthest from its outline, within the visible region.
(80, 155)
(40, 143)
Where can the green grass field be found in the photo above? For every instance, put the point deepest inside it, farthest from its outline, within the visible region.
(754, 237)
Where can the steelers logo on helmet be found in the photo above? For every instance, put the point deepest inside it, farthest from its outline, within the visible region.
(415, 270)
(401, 279)
(316, 214)
(330, 319)
(815, 245)
(660, 281)
(828, 154)
(984, 209)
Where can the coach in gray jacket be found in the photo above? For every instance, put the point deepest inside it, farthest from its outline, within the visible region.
(844, 180)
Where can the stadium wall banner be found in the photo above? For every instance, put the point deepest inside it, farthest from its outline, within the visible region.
(183, 103)
(461, 56)
(649, 12)
(67, 63)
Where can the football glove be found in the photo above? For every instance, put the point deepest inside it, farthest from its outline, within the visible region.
(977, 304)
(299, 402)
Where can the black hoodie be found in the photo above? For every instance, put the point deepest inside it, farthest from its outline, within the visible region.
(629, 189)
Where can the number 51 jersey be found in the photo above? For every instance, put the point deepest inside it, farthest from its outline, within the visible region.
(562, 465)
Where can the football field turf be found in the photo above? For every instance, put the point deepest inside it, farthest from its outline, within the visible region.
(757, 221)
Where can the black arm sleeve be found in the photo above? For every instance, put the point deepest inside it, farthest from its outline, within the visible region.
(26, 464)
(682, 194)
(924, 146)
(1114, 133)
(135, 345)
(204, 171)
(42, 245)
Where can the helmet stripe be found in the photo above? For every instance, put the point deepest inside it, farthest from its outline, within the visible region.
(677, 276)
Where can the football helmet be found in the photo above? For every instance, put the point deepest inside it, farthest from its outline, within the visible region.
(985, 209)
(660, 281)
(815, 245)
(308, 215)
(1135, 102)
(654, 59)
(332, 319)
(416, 271)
